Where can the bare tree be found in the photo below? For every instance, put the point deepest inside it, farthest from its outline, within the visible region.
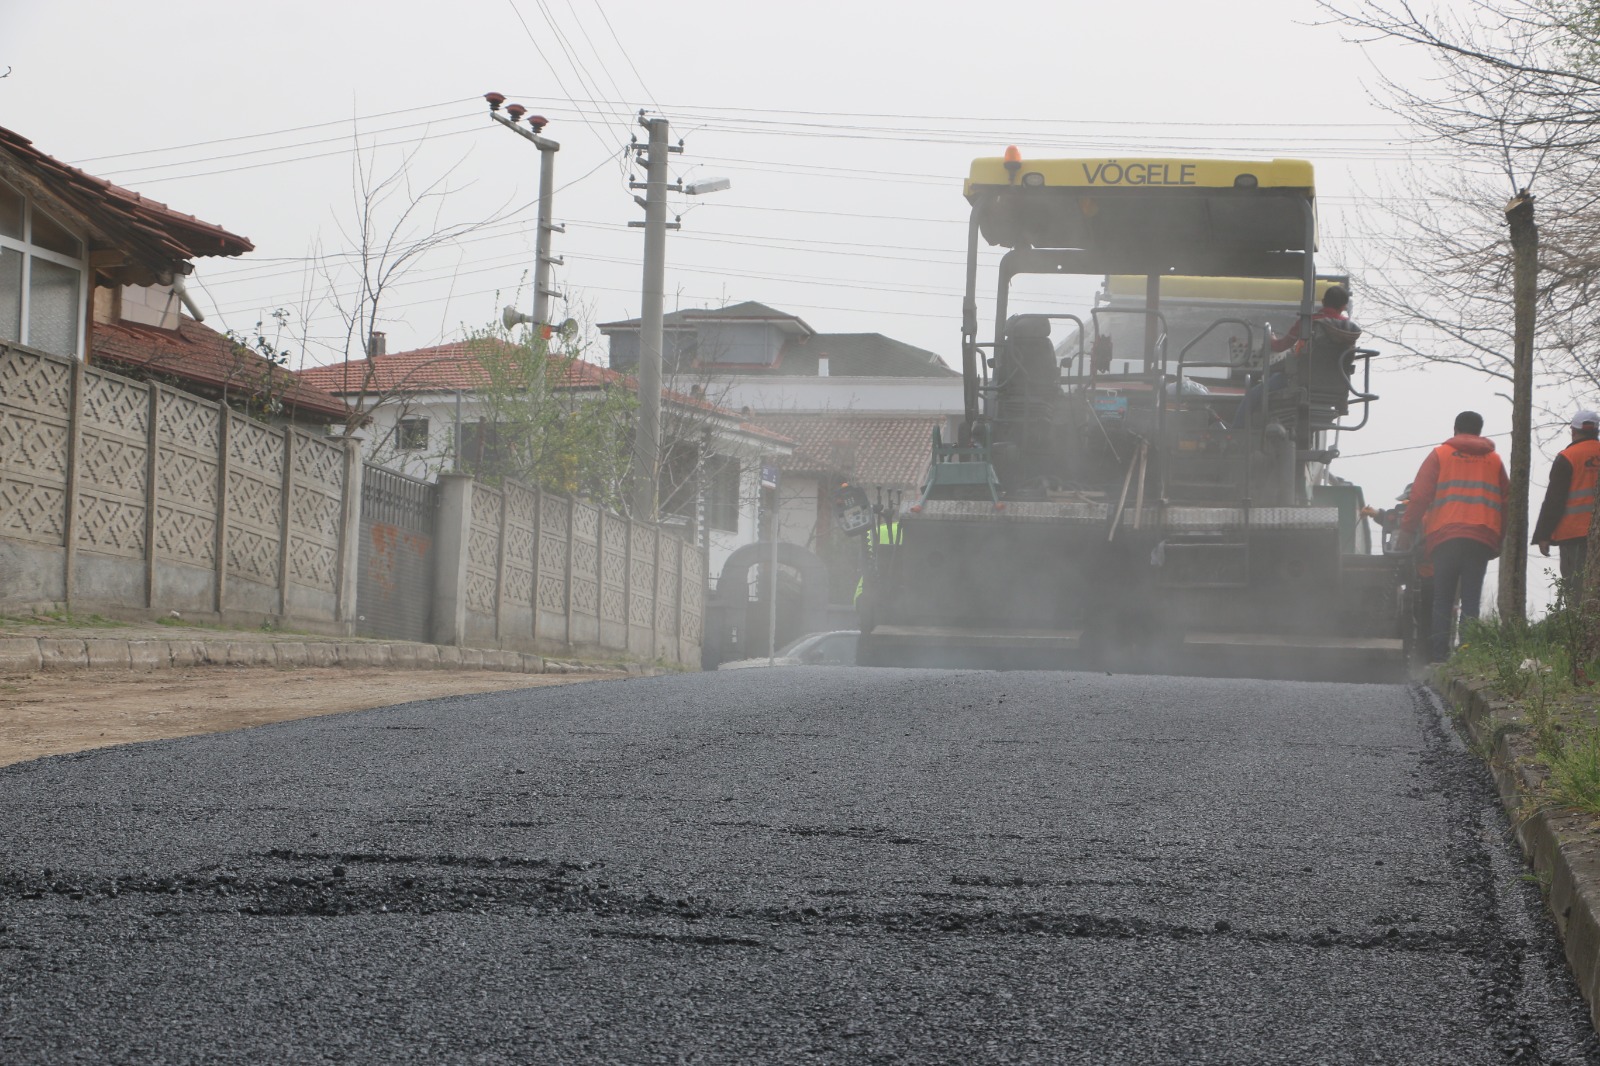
(397, 221)
(1512, 111)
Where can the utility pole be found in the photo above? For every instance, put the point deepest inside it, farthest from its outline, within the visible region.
(547, 175)
(647, 438)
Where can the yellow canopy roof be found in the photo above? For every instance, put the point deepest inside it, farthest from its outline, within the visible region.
(1203, 217)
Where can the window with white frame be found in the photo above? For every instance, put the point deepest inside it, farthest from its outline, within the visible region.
(43, 277)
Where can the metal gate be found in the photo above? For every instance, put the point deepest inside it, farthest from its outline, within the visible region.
(395, 595)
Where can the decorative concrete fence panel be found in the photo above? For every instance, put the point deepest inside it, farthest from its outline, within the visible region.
(35, 484)
(187, 490)
(130, 496)
(642, 591)
(551, 573)
(124, 495)
(548, 573)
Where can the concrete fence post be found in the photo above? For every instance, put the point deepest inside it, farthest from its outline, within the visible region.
(69, 524)
(348, 572)
(677, 621)
(655, 583)
(538, 538)
(220, 585)
(285, 520)
(627, 585)
(572, 512)
(500, 564)
(599, 573)
(152, 443)
(453, 533)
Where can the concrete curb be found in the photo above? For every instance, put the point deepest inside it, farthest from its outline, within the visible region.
(32, 655)
(1558, 844)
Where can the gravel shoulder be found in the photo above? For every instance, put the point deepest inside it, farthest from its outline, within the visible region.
(54, 714)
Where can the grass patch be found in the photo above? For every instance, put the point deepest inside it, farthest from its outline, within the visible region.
(1575, 773)
(1540, 667)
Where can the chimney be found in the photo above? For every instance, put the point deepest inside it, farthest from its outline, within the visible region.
(822, 366)
(375, 344)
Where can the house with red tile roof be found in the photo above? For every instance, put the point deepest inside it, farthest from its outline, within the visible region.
(91, 270)
(193, 356)
(427, 414)
(860, 406)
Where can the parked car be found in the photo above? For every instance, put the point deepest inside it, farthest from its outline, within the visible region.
(834, 648)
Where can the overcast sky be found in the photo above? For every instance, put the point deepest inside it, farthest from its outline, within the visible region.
(846, 128)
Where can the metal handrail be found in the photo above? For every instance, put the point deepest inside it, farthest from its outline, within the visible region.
(1365, 395)
(1249, 342)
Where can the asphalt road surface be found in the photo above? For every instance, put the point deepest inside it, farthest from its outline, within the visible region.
(801, 865)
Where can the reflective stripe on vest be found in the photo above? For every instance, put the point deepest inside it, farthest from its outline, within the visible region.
(1468, 493)
(1584, 456)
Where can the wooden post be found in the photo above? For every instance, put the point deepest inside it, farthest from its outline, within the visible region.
(1513, 595)
(224, 417)
(69, 532)
(152, 442)
(284, 515)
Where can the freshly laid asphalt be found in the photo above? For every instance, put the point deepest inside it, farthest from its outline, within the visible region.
(800, 865)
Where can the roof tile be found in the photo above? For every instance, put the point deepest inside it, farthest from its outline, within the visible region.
(458, 366)
(146, 225)
(887, 450)
(198, 353)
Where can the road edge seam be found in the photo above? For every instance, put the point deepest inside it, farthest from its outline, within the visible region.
(1564, 858)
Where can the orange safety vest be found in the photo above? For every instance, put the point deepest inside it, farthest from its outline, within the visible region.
(1584, 456)
(1468, 493)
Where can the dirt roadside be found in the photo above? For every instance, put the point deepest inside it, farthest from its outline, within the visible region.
(52, 714)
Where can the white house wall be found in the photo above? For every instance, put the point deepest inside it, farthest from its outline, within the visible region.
(771, 394)
(723, 543)
(440, 411)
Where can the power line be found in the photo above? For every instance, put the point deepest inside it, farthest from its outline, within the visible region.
(637, 76)
(1409, 447)
(267, 133)
(551, 68)
(279, 148)
(304, 158)
(948, 121)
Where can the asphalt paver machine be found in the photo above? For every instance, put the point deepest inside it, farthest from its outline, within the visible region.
(1138, 494)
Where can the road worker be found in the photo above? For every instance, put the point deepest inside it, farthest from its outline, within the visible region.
(1335, 308)
(1458, 501)
(1569, 501)
(887, 535)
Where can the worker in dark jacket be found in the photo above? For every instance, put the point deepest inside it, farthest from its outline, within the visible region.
(1335, 309)
(1458, 501)
(1569, 501)
(1389, 518)
(1419, 580)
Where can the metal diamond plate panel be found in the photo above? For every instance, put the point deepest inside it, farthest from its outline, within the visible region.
(983, 511)
(1184, 519)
